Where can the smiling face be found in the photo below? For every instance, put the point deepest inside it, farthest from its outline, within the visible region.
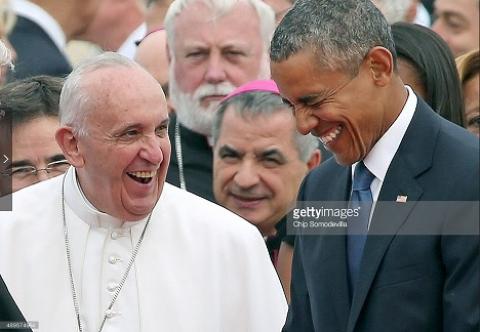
(212, 56)
(346, 113)
(257, 169)
(457, 24)
(122, 161)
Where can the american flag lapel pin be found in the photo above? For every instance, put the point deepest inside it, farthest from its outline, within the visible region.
(401, 199)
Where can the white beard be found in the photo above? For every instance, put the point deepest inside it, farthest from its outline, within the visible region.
(187, 105)
(188, 109)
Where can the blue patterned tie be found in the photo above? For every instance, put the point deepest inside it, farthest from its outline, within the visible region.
(357, 227)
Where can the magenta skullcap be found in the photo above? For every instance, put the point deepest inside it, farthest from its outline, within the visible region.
(254, 86)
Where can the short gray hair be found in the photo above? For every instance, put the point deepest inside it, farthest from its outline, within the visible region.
(260, 103)
(74, 99)
(339, 32)
(219, 8)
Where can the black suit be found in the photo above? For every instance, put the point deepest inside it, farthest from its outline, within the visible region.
(411, 283)
(37, 54)
(8, 310)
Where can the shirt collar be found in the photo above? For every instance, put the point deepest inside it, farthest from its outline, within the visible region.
(380, 157)
(41, 17)
(85, 210)
(129, 48)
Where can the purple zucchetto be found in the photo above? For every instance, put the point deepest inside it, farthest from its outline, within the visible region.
(258, 85)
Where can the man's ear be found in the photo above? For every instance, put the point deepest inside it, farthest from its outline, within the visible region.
(314, 160)
(379, 62)
(69, 145)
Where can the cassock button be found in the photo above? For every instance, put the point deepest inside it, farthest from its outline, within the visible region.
(112, 286)
(109, 313)
(113, 259)
(115, 235)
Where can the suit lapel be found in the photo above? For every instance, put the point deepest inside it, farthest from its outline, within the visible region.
(413, 158)
(387, 219)
(333, 250)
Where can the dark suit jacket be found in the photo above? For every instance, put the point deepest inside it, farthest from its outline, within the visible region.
(416, 283)
(37, 54)
(8, 309)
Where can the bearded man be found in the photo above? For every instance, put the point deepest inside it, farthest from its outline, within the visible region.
(213, 49)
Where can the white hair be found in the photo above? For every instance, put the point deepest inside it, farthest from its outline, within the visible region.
(74, 98)
(219, 8)
(187, 105)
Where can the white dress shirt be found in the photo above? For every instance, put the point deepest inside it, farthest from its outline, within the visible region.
(380, 157)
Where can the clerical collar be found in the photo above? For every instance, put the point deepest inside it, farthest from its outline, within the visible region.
(85, 210)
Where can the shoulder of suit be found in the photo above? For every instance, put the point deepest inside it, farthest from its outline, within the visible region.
(458, 137)
(327, 170)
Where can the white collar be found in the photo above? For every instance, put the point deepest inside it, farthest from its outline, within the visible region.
(381, 155)
(41, 17)
(128, 48)
(85, 210)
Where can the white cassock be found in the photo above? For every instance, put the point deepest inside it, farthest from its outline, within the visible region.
(199, 268)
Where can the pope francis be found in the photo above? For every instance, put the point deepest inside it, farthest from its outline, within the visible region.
(109, 246)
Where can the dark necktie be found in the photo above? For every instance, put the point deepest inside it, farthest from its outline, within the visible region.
(357, 227)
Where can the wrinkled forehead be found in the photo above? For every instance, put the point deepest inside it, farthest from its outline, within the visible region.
(258, 129)
(35, 139)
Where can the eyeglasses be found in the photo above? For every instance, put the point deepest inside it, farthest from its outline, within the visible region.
(23, 172)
